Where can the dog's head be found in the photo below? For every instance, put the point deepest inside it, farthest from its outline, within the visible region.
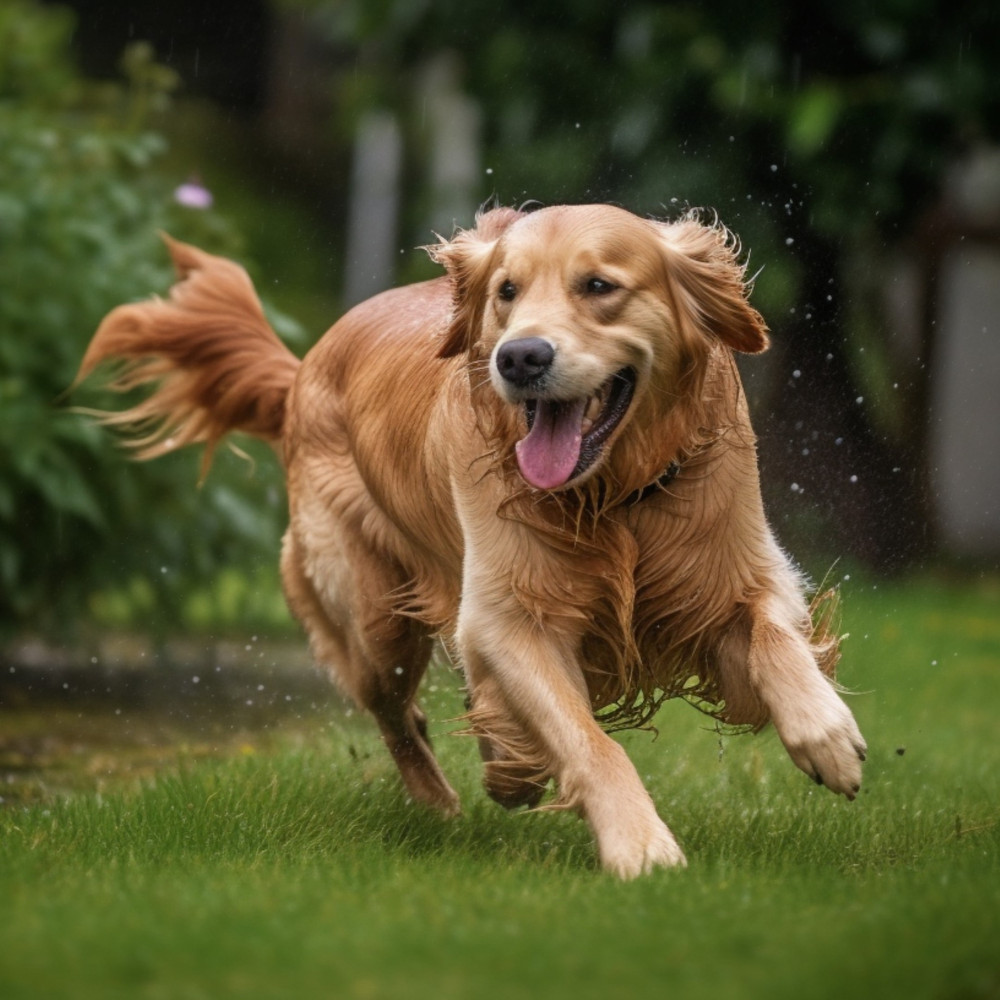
(591, 320)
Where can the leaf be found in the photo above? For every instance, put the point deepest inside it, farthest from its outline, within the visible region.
(813, 118)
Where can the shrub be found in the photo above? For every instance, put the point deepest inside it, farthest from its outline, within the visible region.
(81, 201)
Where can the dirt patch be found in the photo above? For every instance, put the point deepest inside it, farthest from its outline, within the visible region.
(84, 722)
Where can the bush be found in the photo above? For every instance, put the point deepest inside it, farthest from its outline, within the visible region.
(80, 207)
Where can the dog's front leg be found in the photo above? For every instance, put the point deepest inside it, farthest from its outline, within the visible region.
(816, 727)
(542, 685)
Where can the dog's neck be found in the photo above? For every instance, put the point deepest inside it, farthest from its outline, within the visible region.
(661, 482)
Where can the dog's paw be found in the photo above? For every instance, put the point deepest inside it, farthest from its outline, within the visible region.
(652, 846)
(829, 749)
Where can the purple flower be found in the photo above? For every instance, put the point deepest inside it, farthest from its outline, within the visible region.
(193, 195)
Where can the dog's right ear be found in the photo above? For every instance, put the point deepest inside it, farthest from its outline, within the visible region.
(466, 257)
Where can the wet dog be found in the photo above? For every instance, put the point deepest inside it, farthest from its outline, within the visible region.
(545, 460)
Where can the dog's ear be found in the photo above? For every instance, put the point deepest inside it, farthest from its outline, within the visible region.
(708, 284)
(466, 257)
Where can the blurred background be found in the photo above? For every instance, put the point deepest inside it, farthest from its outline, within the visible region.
(853, 147)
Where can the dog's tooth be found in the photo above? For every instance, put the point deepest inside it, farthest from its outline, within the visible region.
(590, 414)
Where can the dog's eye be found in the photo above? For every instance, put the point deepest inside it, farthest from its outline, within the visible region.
(599, 286)
(507, 291)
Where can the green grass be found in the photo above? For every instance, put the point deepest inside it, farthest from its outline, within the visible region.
(300, 870)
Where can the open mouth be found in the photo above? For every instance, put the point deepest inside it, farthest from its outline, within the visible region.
(565, 437)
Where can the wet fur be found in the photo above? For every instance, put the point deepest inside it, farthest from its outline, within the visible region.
(409, 519)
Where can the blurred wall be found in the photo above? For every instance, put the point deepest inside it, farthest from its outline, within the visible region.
(965, 401)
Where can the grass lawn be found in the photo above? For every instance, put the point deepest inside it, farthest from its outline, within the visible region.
(300, 870)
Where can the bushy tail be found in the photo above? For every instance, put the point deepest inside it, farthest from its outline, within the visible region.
(217, 363)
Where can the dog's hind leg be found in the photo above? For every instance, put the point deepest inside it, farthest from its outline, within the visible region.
(515, 773)
(377, 659)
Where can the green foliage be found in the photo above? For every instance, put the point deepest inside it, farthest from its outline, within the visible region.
(33, 49)
(80, 205)
(856, 107)
(819, 135)
(822, 134)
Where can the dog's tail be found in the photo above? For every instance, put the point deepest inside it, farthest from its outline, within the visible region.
(217, 364)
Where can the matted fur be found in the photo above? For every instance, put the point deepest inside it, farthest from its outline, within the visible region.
(568, 609)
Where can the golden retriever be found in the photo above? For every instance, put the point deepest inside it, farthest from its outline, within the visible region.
(543, 458)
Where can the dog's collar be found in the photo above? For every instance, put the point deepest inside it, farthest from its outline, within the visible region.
(660, 483)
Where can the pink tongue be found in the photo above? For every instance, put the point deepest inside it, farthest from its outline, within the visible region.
(548, 455)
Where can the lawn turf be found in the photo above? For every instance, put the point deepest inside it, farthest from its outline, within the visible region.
(300, 869)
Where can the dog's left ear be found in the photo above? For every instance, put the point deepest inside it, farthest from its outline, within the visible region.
(708, 284)
(467, 258)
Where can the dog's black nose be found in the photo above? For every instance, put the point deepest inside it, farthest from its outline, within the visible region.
(524, 360)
